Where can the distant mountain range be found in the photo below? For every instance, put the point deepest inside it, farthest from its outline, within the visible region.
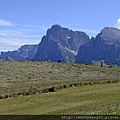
(25, 52)
(66, 45)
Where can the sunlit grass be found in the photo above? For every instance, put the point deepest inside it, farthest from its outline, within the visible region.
(77, 100)
(20, 76)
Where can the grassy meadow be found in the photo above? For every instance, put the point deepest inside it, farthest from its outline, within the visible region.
(16, 77)
(86, 100)
(21, 76)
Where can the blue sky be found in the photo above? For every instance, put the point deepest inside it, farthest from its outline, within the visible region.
(26, 21)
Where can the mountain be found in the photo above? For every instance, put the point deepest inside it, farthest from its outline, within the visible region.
(60, 43)
(105, 46)
(24, 52)
(5, 58)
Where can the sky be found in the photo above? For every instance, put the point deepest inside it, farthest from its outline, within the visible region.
(26, 21)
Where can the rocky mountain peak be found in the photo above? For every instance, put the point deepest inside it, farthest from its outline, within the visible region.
(110, 35)
(58, 32)
(60, 43)
(105, 46)
(56, 27)
(25, 51)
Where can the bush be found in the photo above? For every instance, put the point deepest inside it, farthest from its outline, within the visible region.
(20, 93)
(86, 83)
(108, 81)
(40, 91)
(90, 83)
(9, 96)
(116, 81)
(4, 96)
(1, 96)
(65, 86)
(72, 85)
(52, 89)
(14, 95)
(60, 87)
(96, 83)
(80, 84)
(45, 90)
(27, 93)
(75, 84)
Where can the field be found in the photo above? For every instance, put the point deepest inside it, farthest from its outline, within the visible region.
(100, 98)
(21, 76)
(96, 99)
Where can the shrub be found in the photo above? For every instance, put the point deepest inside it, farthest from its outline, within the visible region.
(45, 90)
(14, 95)
(81, 84)
(0, 96)
(20, 93)
(65, 86)
(96, 83)
(9, 96)
(60, 87)
(72, 85)
(75, 84)
(4, 97)
(52, 89)
(86, 83)
(27, 93)
(90, 83)
(116, 81)
(40, 91)
(108, 81)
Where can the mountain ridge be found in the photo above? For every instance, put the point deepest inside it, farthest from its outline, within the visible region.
(106, 45)
(23, 53)
(60, 43)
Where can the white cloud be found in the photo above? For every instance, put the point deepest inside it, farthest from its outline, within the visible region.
(6, 23)
(14, 43)
(10, 33)
(32, 36)
(18, 34)
(117, 24)
(13, 38)
(11, 42)
(37, 27)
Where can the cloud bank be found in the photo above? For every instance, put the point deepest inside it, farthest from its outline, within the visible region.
(6, 23)
(10, 33)
(13, 35)
(117, 24)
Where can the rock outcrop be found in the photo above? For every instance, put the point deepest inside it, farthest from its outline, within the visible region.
(60, 44)
(23, 53)
(105, 46)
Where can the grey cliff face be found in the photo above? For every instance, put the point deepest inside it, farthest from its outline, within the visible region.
(66, 45)
(106, 45)
(60, 43)
(26, 51)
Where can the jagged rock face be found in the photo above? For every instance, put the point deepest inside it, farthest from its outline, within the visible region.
(26, 51)
(6, 58)
(60, 43)
(106, 45)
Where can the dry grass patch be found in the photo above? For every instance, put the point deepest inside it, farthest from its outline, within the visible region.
(19, 76)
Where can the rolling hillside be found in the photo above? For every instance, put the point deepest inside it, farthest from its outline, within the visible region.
(86, 89)
(84, 100)
(22, 76)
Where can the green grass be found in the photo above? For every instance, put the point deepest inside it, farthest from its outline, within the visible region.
(18, 77)
(96, 99)
(93, 97)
